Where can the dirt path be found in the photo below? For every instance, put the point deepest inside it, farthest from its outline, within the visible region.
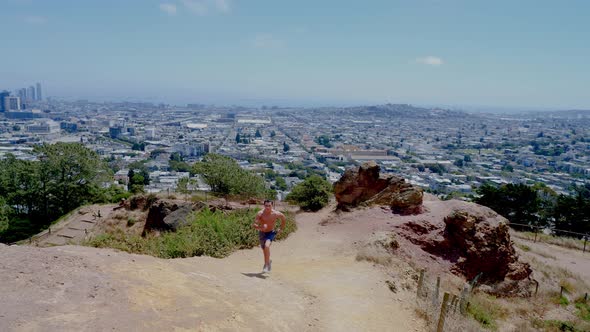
(315, 285)
(76, 227)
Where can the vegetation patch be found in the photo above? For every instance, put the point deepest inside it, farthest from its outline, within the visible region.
(215, 234)
(583, 309)
(311, 194)
(486, 311)
(556, 325)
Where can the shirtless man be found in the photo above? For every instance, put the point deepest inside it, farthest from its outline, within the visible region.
(265, 223)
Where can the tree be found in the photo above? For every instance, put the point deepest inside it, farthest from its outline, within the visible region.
(518, 203)
(238, 138)
(281, 184)
(227, 178)
(286, 147)
(70, 175)
(312, 194)
(507, 168)
(138, 146)
(273, 134)
(176, 156)
(183, 185)
(66, 176)
(572, 213)
(5, 212)
(258, 134)
(324, 140)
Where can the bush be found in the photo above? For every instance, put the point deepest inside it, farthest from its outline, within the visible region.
(215, 234)
(227, 178)
(311, 194)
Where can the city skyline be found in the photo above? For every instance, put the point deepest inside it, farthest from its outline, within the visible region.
(455, 53)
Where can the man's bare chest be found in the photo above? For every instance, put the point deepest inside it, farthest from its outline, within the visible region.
(269, 218)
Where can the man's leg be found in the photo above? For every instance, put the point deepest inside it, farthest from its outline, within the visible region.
(267, 252)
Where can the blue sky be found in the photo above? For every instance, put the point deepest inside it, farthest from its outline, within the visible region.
(512, 54)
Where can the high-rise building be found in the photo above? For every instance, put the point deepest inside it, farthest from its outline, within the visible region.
(39, 94)
(31, 93)
(3, 95)
(11, 104)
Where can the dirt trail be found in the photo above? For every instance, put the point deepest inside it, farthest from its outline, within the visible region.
(315, 285)
(76, 227)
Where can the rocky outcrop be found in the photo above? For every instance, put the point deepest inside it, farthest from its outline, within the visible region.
(365, 185)
(478, 244)
(166, 215)
(170, 215)
(484, 248)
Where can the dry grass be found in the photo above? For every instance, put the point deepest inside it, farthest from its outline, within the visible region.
(454, 321)
(567, 242)
(547, 311)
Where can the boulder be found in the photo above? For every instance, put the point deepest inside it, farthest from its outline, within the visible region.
(477, 243)
(178, 217)
(167, 215)
(485, 248)
(365, 185)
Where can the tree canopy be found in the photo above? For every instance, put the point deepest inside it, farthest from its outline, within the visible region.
(227, 178)
(312, 194)
(34, 193)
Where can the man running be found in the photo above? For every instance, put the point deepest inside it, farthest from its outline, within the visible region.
(265, 223)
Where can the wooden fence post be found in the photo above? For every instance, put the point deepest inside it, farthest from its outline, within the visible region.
(436, 292)
(443, 312)
(420, 283)
(463, 300)
(454, 302)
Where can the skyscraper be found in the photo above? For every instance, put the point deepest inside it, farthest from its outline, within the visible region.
(39, 95)
(3, 95)
(11, 103)
(31, 93)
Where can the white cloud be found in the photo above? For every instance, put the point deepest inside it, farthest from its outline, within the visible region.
(222, 5)
(266, 40)
(430, 60)
(197, 7)
(35, 19)
(168, 8)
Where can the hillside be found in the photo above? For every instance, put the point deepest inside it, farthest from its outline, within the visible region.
(316, 284)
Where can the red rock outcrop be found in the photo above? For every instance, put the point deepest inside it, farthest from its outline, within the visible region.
(365, 185)
(477, 243)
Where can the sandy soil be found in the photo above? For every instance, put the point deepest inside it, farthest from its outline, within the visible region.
(316, 285)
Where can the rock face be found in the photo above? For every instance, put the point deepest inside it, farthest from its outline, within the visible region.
(366, 186)
(484, 248)
(476, 243)
(168, 216)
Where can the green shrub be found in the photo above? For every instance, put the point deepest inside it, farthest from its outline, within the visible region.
(311, 194)
(131, 221)
(226, 178)
(583, 309)
(482, 316)
(215, 234)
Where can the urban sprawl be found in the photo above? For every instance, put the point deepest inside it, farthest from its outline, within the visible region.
(446, 152)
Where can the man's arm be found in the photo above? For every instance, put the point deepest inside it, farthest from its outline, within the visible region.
(256, 223)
